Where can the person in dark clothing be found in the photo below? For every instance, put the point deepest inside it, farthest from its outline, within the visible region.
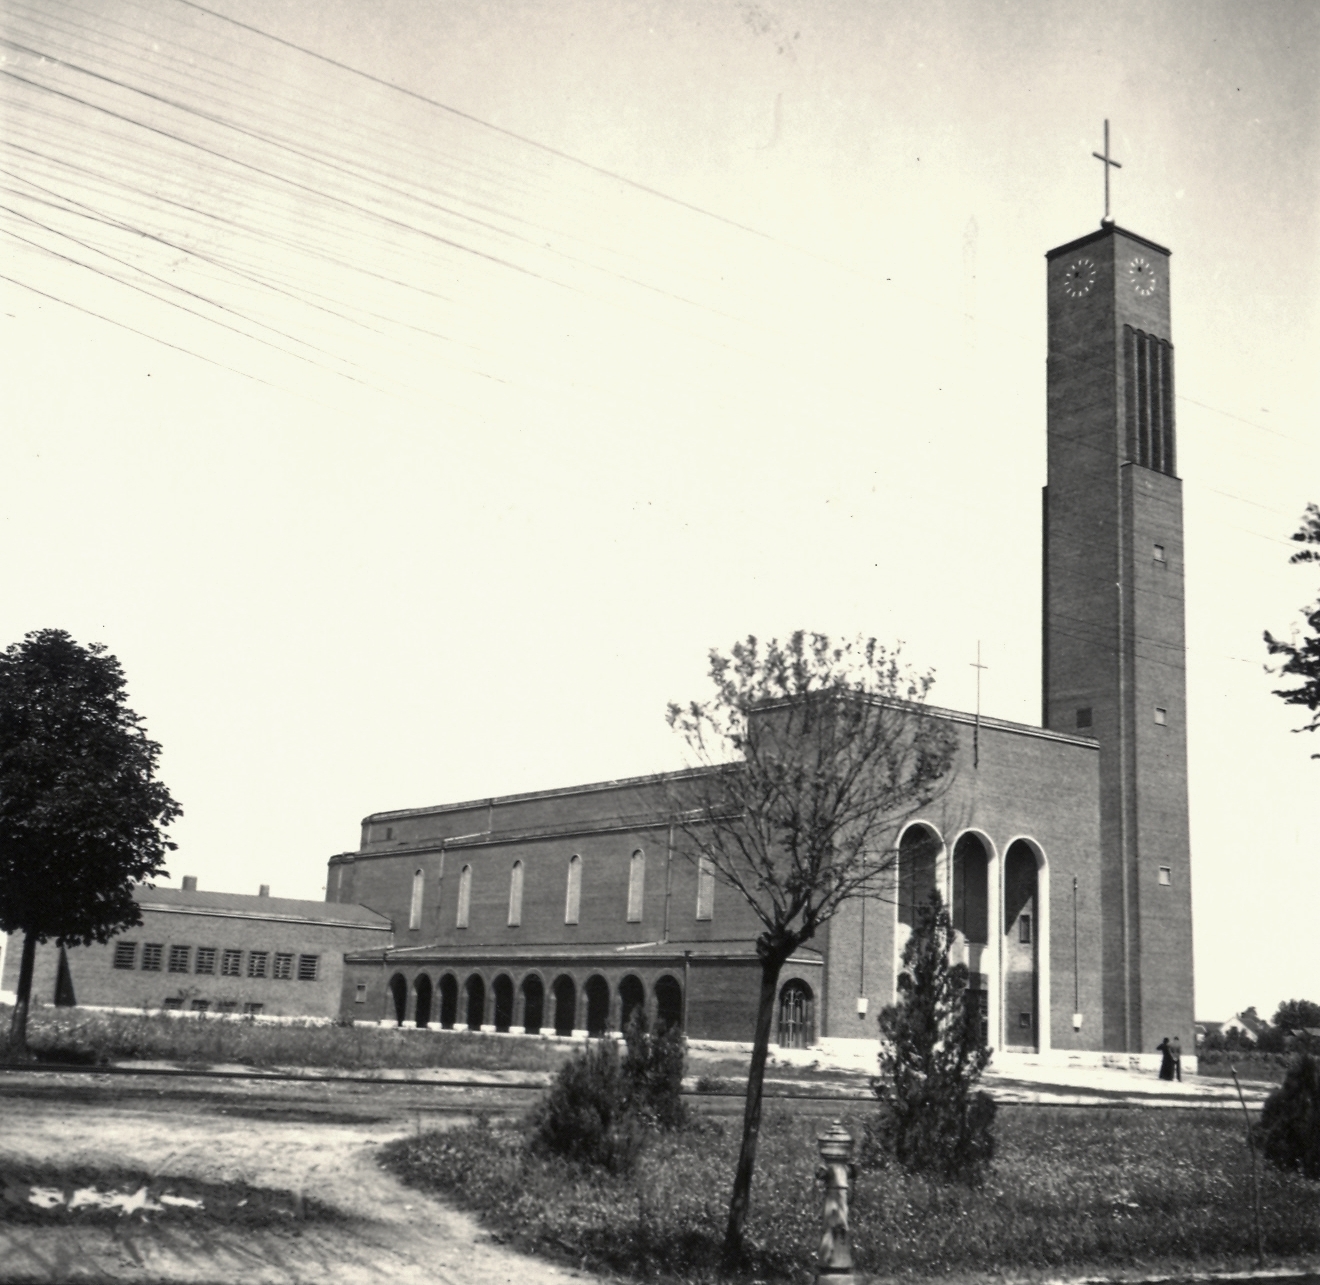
(1176, 1050)
(1166, 1063)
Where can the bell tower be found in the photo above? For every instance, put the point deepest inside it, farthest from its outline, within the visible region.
(1113, 611)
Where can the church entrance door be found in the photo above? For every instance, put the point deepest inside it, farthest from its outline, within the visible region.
(796, 1026)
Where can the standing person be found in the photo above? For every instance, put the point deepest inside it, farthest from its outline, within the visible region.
(1176, 1050)
(1166, 1062)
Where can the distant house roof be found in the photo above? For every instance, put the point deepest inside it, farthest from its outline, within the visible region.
(237, 905)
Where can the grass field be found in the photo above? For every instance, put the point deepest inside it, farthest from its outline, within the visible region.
(1249, 1065)
(91, 1037)
(1071, 1190)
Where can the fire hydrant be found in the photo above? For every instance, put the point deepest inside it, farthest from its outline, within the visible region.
(834, 1260)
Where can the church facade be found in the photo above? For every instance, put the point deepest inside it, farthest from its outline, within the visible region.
(1062, 849)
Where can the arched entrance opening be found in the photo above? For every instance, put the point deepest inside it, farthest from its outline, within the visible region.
(448, 1001)
(422, 992)
(632, 999)
(668, 1003)
(971, 917)
(796, 1016)
(533, 1004)
(565, 1004)
(503, 992)
(917, 851)
(476, 1002)
(598, 1006)
(1022, 1017)
(399, 994)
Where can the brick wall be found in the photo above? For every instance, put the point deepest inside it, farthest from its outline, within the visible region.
(97, 982)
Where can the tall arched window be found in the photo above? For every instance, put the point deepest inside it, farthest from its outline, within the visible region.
(636, 886)
(464, 897)
(705, 889)
(515, 894)
(415, 908)
(573, 899)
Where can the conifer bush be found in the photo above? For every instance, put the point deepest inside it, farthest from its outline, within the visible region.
(932, 1119)
(585, 1116)
(1289, 1128)
(653, 1074)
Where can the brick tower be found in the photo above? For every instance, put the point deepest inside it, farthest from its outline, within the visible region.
(1113, 613)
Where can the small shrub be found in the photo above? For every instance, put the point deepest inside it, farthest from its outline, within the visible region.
(585, 1117)
(1289, 1128)
(932, 1055)
(653, 1074)
(716, 1084)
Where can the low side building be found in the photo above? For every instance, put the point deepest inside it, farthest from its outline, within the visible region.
(219, 952)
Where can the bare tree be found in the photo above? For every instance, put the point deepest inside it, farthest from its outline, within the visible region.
(816, 755)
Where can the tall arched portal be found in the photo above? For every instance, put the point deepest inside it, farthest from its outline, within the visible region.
(971, 917)
(1022, 1017)
(632, 999)
(598, 1006)
(448, 1001)
(917, 851)
(476, 1002)
(565, 1004)
(668, 1002)
(533, 1004)
(502, 989)
(422, 990)
(399, 994)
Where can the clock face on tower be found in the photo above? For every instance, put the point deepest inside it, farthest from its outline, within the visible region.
(1079, 278)
(1142, 276)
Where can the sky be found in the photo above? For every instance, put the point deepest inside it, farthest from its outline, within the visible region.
(411, 394)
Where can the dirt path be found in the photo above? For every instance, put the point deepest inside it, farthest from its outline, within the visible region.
(389, 1232)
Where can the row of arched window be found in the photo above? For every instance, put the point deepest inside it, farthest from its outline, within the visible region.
(572, 892)
(564, 1006)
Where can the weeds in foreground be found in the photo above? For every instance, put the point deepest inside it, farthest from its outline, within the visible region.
(88, 1037)
(1069, 1189)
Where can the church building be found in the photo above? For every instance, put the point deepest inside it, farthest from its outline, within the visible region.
(1062, 849)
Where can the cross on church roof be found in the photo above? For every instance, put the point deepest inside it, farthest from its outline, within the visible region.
(1108, 162)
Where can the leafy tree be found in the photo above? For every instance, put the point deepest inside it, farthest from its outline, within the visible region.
(1289, 1128)
(931, 1056)
(1302, 660)
(81, 813)
(1294, 1014)
(815, 755)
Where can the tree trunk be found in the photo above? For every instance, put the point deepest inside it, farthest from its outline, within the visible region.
(732, 1254)
(23, 995)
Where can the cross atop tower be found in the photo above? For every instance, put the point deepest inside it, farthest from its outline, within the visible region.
(1107, 220)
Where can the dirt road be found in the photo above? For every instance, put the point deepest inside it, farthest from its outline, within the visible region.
(318, 1140)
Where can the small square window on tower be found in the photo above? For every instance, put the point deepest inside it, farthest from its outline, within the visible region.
(1024, 928)
(1024, 1021)
(1166, 876)
(1159, 554)
(1083, 718)
(1161, 715)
